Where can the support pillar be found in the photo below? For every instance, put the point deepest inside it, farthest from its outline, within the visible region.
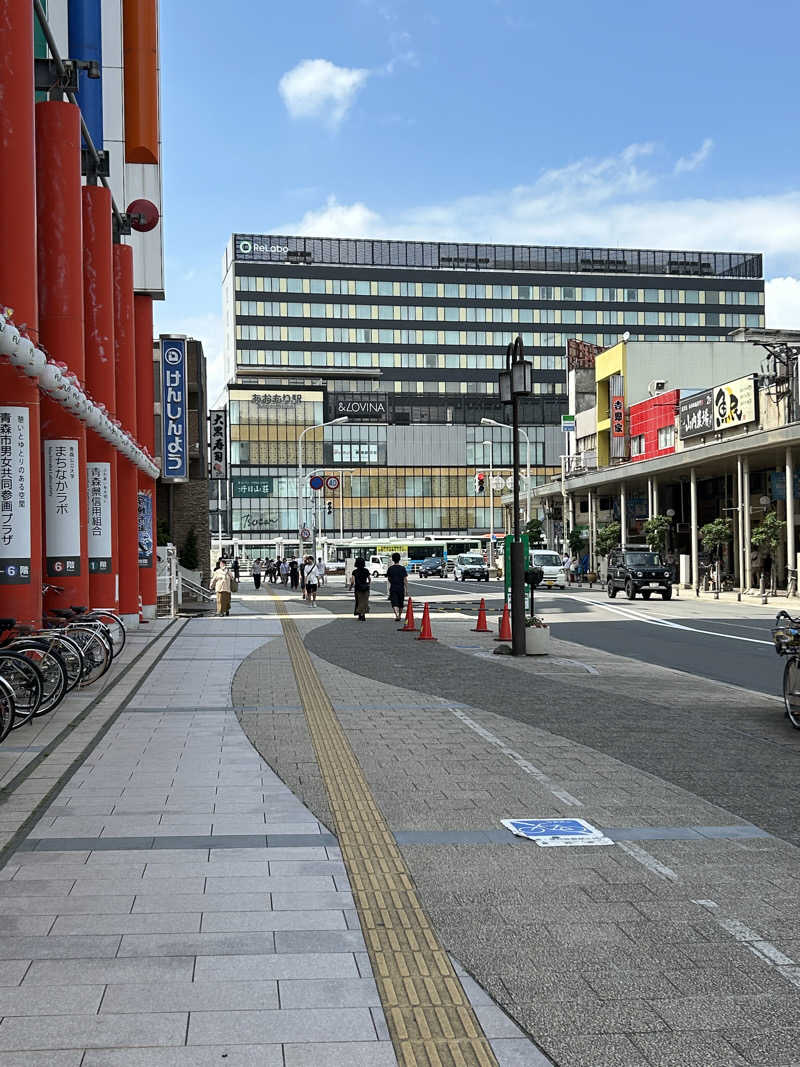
(60, 271)
(693, 524)
(740, 540)
(127, 477)
(591, 530)
(655, 495)
(623, 515)
(145, 433)
(747, 543)
(650, 508)
(791, 550)
(21, 543)
(98, 293)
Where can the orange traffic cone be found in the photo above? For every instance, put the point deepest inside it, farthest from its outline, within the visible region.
(410, 625)
(505, 626)
(483, 625)
(425, 629)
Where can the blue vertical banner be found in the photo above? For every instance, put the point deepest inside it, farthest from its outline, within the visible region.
(86, 42)
(175, 453)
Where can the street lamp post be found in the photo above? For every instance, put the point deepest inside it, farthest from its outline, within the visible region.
(491, 505)
(505, 426)
(516, 381)
(301, 487)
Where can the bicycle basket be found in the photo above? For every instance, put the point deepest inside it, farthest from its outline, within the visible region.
(786, 638)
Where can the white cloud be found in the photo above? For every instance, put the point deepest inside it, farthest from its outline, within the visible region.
(782, 303)
(696, 159)
(317, 88)
(336, 220)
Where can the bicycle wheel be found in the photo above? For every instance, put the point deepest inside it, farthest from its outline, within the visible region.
(54, 673)
(115, 626)
(26, 680)
(96, 651)
(71, 655)
(7, 709)
(791, 690)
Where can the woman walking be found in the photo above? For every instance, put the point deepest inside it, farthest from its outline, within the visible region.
(312, 581)
(221, 584)
(255, 570)
(359, 582)
(284, 569)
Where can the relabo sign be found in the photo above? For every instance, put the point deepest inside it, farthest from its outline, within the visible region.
(247, 247)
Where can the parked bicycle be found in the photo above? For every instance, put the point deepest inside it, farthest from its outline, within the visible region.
(786, 635)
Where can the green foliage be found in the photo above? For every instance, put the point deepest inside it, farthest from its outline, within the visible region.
(769, 533)
(656, 531)
(535, 531)
(715, 535)
(608, 537)
(162, 532)
(576, 541)
(188, 556)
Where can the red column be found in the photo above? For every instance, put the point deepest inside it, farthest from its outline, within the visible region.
(127, 480)
(21, 532)
(60, 259)
(145, 433)
(98, 293)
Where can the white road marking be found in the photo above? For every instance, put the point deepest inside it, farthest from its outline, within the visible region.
(642, 856)
(525, 765)
(785, 966)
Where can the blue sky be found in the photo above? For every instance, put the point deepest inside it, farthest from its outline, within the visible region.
(618, 124)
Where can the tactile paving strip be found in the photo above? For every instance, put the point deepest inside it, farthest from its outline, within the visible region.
(430, 1020)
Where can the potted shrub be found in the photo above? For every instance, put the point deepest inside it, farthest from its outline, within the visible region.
(537, 636)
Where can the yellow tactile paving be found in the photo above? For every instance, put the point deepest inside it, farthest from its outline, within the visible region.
(430, 1020)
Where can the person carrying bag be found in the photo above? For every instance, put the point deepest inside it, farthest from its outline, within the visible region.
(359, 582)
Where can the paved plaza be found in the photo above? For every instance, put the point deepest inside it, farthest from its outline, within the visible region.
(175, 888)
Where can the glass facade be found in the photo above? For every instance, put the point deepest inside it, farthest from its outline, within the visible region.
(407, 338)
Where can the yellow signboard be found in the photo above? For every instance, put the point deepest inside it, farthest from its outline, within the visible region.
(388, 549)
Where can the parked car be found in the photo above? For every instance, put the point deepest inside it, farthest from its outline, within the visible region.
(433, 566)
(553, 570)
(471, 565)
(378, 565)
(638, 571)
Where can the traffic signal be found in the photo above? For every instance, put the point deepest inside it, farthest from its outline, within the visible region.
(480, 483)
(329, 507)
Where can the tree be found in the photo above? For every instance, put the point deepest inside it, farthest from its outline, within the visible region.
(188, 555)
(608, 538)
(575, 541)
(535, 531)
(766, 537)
(656, 532)
(715, 535)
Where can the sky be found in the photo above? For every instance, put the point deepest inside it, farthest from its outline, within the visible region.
(510, 121)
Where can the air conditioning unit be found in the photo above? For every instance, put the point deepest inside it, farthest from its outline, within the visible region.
(658, 385)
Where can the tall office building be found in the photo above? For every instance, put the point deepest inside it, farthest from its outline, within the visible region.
(406, 339)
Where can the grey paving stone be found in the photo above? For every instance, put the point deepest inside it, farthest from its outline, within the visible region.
(25, 924)
(88, 971)
(614, 1051)
(265, 968)
(163, 902)
(194, 1056)
(351, 1054)
(52, 1000)
(87, 905)
(304, 901)
(223, 921)
(91, 1031)
(338, 993)
(495, 1023)
(191, 996)
(691, 1050)
(53, 947)
(144, 923)
(319, 941)
(12, 971)
(35, 888)
(311, 1025)
(511, 1052)
(199, 944)
(64, 1057)
(313, 883)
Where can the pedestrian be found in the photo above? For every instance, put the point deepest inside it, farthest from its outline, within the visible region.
(221, 584)
(359, 582)
(294, 574)
(321, 570)
(303, 565)
(312, 582)
(218, 564)
(397, 577)
(236, 568)
(255, 570)
(284, 569)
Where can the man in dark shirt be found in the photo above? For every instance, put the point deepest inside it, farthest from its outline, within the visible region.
(397, 577)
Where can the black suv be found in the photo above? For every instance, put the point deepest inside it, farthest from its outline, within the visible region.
(433, 565)
(638, 571)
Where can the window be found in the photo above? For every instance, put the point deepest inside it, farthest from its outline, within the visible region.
(671, 296)
(651, 296)
(451, 291)
(753, 320)
(568, 292)
(429, 288)
(546, 292)
(384, 288)
(692, 296)
(651, 318)
(632, 295)
(362, 288)
(712, 318)
(589, 294)
(666, 436)
(712, 297)
(637, 445)
(692, 318)
(752, 298)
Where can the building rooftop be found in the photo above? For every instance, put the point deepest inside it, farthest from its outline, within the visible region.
(272, 248)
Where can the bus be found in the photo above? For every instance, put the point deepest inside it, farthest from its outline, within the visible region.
(412, 552)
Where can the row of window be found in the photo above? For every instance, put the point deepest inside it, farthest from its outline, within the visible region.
(397, 360)
(407, 312)
(365, 522)
(462, 291)
(666, 439)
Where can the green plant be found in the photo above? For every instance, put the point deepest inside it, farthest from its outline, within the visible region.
(188, 555)
(576, 541)
(535, 620)
(608, 537)
(769, 533)
(535, 531)
(162, 532)
(715, 535)
(656, 532)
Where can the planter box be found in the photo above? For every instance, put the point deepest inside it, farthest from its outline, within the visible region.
(537, 640)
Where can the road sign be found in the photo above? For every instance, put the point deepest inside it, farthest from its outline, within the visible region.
(498, 483)
(568, 423)
(555, 832)
(305, 534)
(315, 481)
(332, 482)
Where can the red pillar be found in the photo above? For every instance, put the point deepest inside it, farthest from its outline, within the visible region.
(98, 292)
(145, 433)
(127, 480)
(20, 539)
(60, 262)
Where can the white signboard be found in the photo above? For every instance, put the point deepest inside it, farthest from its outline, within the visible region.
(62, 509)
(15, 504)
(735, 403)
(98, 477)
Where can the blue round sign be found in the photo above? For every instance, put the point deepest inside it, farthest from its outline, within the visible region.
(315, 482)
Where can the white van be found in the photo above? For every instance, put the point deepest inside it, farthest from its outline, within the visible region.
(378, 565)
(553, 569)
